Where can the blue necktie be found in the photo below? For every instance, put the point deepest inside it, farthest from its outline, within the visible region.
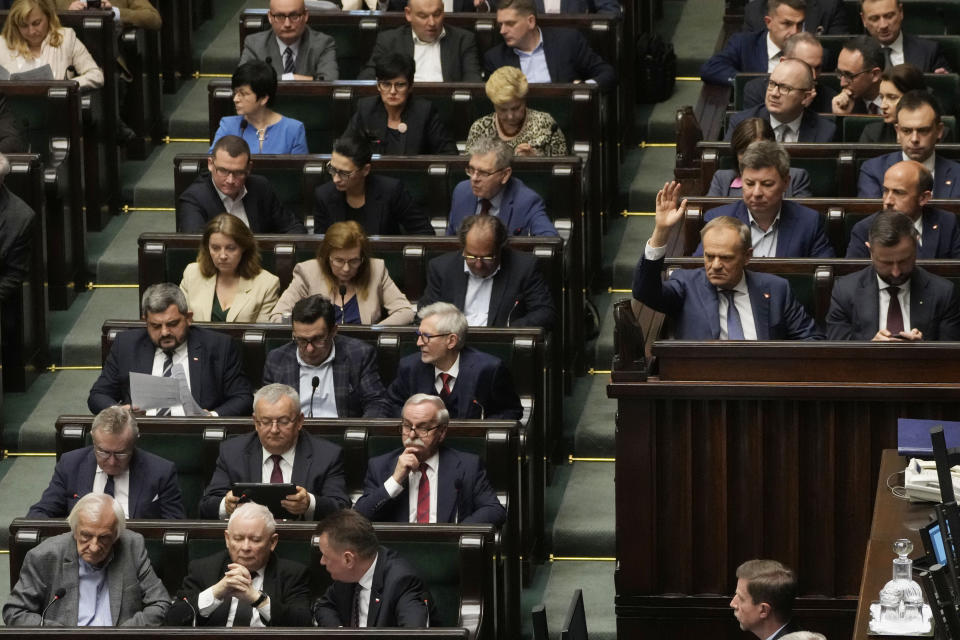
(734, 328)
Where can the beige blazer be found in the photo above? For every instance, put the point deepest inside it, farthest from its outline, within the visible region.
(383, 293)
(70, 53)
(253, 303)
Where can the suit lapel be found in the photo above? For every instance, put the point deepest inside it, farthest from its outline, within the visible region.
(707, 297)
(787, 232)
(137, 483)
(497, 296)
(86, 474)
(919, 312)
(70, 581)
(145, 353)
(944, 179)
(376, 589)
(195, 360)
(302, 460)
(206, 291)
(448, 492)
(870, 294)
(931, 236)
(760, 303)
(241, 300)
(254, 454)
(449, 57)
(115, 583)
(506, 207)
(341, 380)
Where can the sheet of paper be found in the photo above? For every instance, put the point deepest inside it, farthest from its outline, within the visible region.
(153, 392)
(190, 406)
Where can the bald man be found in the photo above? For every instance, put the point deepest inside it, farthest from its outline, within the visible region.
(801, 46)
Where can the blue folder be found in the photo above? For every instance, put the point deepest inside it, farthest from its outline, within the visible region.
(913, 436)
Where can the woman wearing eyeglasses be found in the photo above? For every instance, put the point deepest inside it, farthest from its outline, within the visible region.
(227, 283)
(396, 122)
(380, 204)
(358, 285)
(254, 86)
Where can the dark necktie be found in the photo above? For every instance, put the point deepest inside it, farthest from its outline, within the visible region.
(244, 613)
(873, 109)
(894, 312)
(445, 389)
(108, 488)
(167, 371)
(485, 205)
(288, 60)
(734, 328)
(276, 476)
(887, 60)
(423, 498)
(355, 614)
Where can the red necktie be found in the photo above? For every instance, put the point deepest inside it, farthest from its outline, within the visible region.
(445, 389)
(485, 205)
(894, 313)
(423, 498)
(276, 476)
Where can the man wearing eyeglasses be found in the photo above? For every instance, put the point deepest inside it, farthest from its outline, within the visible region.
(278, 452)
(143, 484)
(337, 376)
(859, 65)
(801, 46)
(231, 188)
(295, 51)
(425, 481)
(790, 90)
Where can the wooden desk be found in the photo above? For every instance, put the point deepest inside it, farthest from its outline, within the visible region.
(893, 518)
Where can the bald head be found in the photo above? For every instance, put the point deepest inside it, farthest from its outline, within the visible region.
(907, 187)
(803, 46)
(790, 90)
(425, 18)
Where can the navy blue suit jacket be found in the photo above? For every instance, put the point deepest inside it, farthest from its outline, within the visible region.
(813, 128)
(521, 209)
(154, 491)
(569, 58)
(755, 92)
(746, 52)
(800, 236)
(388, 210)
(923, 54)
(855, 306)
(217, 382)
(692, 304)
(941, 237)
(465, 494)
(484, 386)
(946, 179)
(200, 203)
(584, 6)
(317, 467)
(828, 14)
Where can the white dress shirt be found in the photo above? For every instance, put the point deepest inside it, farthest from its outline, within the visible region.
(394, 488)
(792, 133)
(764, 242)
(495, 203)
(773, 54)
(929, 164)
(266, 471)
(903, 296)
(295, 49)
(325, 399)
(233, 206)
(427, 58)
(453, 371)
(896, 50)
(179, 358)
(363, 600)
(741, 298)
(207, 604)
(476, 304)
(121, 487)
(551, 6)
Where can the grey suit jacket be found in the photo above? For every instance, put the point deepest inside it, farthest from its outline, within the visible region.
(317, 56)
(459, 60)
(137, 597)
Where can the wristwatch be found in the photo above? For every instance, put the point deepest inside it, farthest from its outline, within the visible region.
(259, 601)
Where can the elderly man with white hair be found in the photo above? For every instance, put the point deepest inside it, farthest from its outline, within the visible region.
(97, 575)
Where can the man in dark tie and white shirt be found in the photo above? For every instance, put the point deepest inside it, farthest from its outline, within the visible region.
(294, 50)
(883, 19)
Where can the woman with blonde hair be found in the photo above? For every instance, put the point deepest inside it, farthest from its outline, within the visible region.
(227, 283)
(358, 285)
(529, 132)
(33, 37)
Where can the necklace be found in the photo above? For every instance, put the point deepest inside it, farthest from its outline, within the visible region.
(262, 135)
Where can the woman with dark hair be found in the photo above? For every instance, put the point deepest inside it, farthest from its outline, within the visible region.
(266, 131)
(358, 284)
(227, 283)
(727, 182)
(894, 82)
(379, 203)
(396, 122)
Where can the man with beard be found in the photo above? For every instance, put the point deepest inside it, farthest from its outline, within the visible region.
(893, 299)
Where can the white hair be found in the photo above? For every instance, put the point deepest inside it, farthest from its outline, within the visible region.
(253, 511)
(92, 506)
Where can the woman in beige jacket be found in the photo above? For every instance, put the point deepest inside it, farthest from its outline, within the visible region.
(227, 283)
(343, 271)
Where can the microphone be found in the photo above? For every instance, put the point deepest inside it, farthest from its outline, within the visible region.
(315, 383)
(553, 129)
(426, 605)
(482, 412)
(315, 612)
(343, 303)
(193, 611)
(456, 487)
(516, 303)
(243, 126)
(56, 596)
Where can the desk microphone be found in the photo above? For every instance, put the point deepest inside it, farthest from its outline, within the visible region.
(457, 486)
(482, 412)
(56, 596)
(315, 383)
(512, 309)
(192, 610)
(343, 303)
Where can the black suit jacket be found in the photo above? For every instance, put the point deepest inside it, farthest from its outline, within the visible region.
(284, 581)
(755, 93)
(398, 598)
(459, 60)
(790, 627)
(464, 495)
(200, 203)
(16, 240)
(11, 129)
(822, 16)
(569, 58)
(389, 209)
(217, 382)
(426, 134)
(459, 6)
(855, 306)
(317, 467)
(520, 297)
(813, 127)
(923, 54)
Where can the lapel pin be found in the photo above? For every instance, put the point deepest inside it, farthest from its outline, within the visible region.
(377, 600)
(766, 295)
(196, 359)
(935, 226)
(948, 182)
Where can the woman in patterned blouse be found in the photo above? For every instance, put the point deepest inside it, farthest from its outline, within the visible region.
(529, 132)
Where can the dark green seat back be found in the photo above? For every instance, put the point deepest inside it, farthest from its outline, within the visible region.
(438, 564)
(318, 119)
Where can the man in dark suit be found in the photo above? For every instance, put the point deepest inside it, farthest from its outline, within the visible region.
(493, 190)
(206, 361)
(337, 376)
(778, 228)
(295, 51)
(443, 53)
(763, 601)
(883, 20)
(247, 584)
(472, 384)
(579, 6)
(425, 481)
(800, 46)
(493, 285)
(859, 65)
(393, 596)
(919, 128)
(278, 452)
(144, 484)
(16, 236)
(790, 90)
(893, 300)
(229, 186)
(544, 54)
(757, 52)
(459, 6)
(723, 300)
(821, 17)
(907, 188)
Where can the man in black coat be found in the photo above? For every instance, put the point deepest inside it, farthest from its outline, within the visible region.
(229, 186)
(16, 236)
(822, 17)
(883, 19)
(802, 46)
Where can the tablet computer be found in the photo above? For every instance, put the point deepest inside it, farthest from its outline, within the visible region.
(265, 493)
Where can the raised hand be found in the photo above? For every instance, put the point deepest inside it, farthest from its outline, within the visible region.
(669, 212)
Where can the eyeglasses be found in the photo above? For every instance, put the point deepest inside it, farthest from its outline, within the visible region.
(407, 428)
(234, 173)
(293, 16)
(275, 422)
(315, 342)
(427, 337)
(479, 173)
(850, 77)
(103, 455)
(340, 263)
(399, 87)
(784, 89)
(483, 259)
(344, 175)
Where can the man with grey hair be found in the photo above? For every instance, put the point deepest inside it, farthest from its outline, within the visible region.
(492, 190)
(16, 240)
(168, 346)
(144, 485)
(279, 452)
(247, 584)
(96, 575)
(778, 228)
(471, 383)
(424, 480)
